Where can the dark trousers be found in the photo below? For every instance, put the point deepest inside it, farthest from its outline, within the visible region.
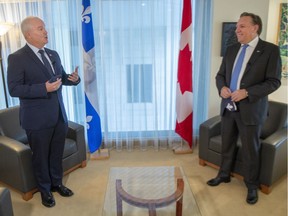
(47, 147)
(231, 128)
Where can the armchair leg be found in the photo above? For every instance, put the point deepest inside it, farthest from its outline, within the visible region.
(83, 164)
(29, 195)
(265, 189)
(202, 162)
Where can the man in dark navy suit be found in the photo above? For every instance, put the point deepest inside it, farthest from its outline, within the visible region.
(36, 76)
(244, 105)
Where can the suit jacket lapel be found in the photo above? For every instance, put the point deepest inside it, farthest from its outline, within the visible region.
(37, 61)
(232, 57)
(52, 59)
(258, 51)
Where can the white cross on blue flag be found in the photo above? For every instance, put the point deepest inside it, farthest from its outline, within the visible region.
(93, 123)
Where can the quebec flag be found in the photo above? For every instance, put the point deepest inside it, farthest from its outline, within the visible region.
(93, 123)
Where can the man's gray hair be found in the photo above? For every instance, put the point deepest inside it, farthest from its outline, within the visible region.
(26, 24)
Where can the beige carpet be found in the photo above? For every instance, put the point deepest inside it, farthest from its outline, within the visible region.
(89, 185)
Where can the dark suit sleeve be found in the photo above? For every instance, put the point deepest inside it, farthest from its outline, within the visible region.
(267, 74)
(19, 84)
(220, 77)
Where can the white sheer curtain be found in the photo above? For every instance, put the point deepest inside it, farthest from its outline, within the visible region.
(137, 47)
(137, 54)
(203, 14)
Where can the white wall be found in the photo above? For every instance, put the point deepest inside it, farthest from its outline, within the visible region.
(229, 11)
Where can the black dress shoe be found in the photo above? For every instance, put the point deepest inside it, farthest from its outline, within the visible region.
(252, 196)
(62, 190)
(216, 181)
(47, 199)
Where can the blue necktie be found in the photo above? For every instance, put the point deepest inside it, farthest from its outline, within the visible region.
(46, 62)
(237, 69)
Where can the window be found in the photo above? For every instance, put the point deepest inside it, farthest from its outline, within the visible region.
(139, 83)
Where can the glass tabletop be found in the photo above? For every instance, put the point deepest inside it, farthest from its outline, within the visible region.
(148, 183)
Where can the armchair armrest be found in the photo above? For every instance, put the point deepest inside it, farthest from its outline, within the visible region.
(76, 132)
(16, 165)
(274, 157)
(208, 129)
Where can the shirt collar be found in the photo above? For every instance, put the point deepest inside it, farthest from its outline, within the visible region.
(35, 49)
(254, 42)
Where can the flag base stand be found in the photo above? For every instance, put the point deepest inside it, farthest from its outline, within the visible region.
(182, 149)
(100, 154)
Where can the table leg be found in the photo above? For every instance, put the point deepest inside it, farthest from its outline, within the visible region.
(179, 205)
(152, 209)
(119, 204)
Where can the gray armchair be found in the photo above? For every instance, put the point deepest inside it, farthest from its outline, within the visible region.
(273, 147)
(16, 156)
(6, 208)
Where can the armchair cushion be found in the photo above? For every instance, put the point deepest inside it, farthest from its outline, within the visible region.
(69, 148)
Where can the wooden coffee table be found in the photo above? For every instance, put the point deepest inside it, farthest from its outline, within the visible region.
(149, 191)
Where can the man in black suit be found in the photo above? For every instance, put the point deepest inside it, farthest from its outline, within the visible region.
(244, 107)
(36, 76)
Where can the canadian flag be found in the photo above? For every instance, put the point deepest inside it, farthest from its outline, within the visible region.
(184, 96)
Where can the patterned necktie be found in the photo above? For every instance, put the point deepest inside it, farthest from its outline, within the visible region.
(46, 62)
(237, 69)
